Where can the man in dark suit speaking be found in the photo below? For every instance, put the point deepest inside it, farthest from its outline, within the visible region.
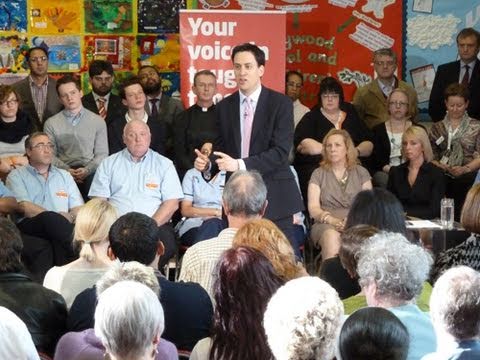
(256, 133)
(465, 71)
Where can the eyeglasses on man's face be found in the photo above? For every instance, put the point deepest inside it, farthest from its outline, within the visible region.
(9, 102)
(43, 146)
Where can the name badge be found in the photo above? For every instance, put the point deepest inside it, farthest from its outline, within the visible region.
(444, 160)
(151, 185)
(61, 193)
(440, 140)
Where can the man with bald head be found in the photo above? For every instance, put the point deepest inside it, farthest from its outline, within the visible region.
(140, 179)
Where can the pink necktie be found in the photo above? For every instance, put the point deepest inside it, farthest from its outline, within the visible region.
(247, 126)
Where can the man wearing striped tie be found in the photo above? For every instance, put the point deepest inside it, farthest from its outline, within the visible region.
(101, 100)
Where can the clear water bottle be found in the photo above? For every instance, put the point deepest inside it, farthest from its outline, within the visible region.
(446, 213)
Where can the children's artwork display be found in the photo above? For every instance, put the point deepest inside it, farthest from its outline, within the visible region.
(163, 51)
(159, 16)
(50, 17)
(116, 49)
(108, 16)
(64, 52)
(12, 54)
(13, 15)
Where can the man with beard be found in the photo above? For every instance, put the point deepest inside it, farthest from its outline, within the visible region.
(158, 104)
(101, 100)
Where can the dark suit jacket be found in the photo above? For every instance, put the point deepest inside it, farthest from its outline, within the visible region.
(169, 109)
(115, 110)
(447, 74)
(52, 107)
(271, 140)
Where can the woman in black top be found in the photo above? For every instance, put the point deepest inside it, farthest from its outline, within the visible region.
(417, 183)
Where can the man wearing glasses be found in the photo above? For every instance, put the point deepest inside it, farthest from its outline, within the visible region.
(293, 87)
(48, 201)
(370, 100)
(37, 91)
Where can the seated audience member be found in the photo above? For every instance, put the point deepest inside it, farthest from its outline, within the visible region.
(187, 306)
(8, 203)
(332, 112)
(370, 100)
(417, 183)
(263, 235)
(468, 252)
(79, 136)
(244, 198)
(341, 270)
(302, 320)
(140, 179)
(202, 200)
(42, 310)
(244, 283)
(197, 124)
(387, 137)
(455, 312)
(456, 146)
(293, 88)
(15, 340)
(332, 188)
(92, 225)
(372, 334)
(159, 105)
(15, 126)
(87, 344)
(101, 100)
(133, 97)
(392, 272)
(465, 71)
(37, 91)
(48, 199)
(129, 322)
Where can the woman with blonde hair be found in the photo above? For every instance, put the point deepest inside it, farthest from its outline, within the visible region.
(92, 225)
(332, 188)
(417, 183)
(263, 235)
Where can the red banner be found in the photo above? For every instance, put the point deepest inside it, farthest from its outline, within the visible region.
(330, 37)
(208, 37)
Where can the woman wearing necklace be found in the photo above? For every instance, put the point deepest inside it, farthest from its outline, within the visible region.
(387, 137)
(332, 112)
(417, 183)
(15, 126)
(456, 145)
(332, 188)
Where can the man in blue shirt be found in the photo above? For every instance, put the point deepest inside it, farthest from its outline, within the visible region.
(48, 198)
(140, 179)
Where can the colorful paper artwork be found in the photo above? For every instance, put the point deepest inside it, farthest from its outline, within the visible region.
(159, 16)
(171, 84)
(108, 16)
(64, 51)
(12, 54)
(13, 15)
(163, 51)
(116, 49)
(55, 17)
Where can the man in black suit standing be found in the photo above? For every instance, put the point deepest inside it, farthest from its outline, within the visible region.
(101, 100)
(464, 71)
(255, 127)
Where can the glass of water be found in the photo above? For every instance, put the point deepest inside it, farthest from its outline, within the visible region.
(446, 213)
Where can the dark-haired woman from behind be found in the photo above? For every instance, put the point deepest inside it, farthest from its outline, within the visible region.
(245, 282)
(373, 333)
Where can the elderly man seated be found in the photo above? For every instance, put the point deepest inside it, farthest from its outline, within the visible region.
(140, 179)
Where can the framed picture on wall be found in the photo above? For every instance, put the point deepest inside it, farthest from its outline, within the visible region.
(424, 6)
(422, 79)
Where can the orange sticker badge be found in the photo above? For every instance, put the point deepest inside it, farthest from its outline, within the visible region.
(61, 193)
